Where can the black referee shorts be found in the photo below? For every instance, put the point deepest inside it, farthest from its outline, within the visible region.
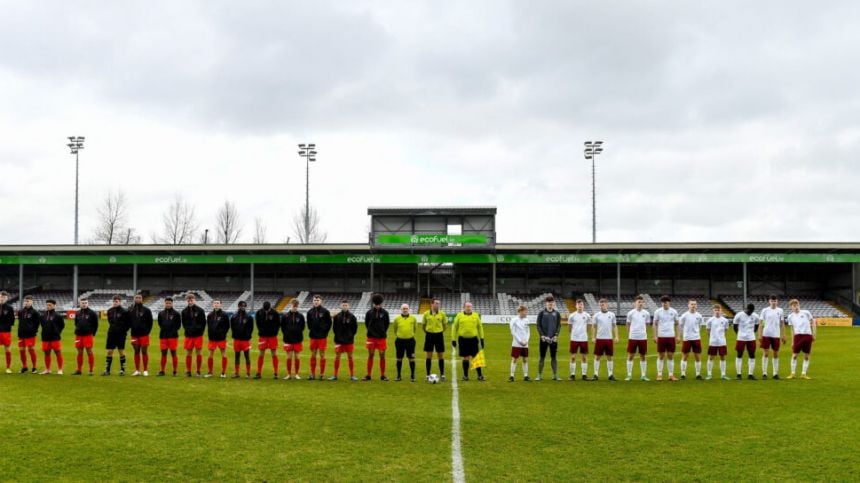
(434, 342)
(405, 347)
(468, 346)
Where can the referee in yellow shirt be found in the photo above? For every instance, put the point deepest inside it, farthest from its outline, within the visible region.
(435, 322)
(404, 329)
(468, 332)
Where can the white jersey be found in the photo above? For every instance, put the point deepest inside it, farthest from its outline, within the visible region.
(605, 322)
(520, 331)
(746, 325)
(637, 324)
(801, 322)
(579, 326)
(690, 323)
(717, 327)
(772, 319)
(665, 321)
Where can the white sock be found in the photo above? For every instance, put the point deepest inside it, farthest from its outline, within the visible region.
(710, 367)
(683, 367)
(698, 368)
(572, 366)
(738, 362)
(793, 364)
(751, 365)
(763, 365)
(659, 367)
(671, 367)
(525, 368)
(643, 368)
(805, 365)
(775, 362)
(596, 367)
(723, 368)
(584, 368)
(629, 368)
(610, 366)
(513, 368)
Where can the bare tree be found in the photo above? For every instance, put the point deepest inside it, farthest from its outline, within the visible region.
(112, 218)
(178, 223)
(129, 237)
(259, 231)
(314, 231)
(227, 221)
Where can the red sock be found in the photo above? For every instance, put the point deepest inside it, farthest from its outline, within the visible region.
(146, 361)
(163, 362)
(23, 358)
(351, 367)
(322, 365)
(382, 365)
(33, 356)
(8, 359)
(137, 361)
(296, 363)
(80, 361)
(59, 361)
(47, 361)
(209, 364)
(275, 363)
(313, 365)
(260, 363)
(188, 362)
(336, 366)
(91, 360)
(248, 367)
(223, 364)
(289, 365)
(370, 364)
(199, 362)
(176, 363)
(236, 368)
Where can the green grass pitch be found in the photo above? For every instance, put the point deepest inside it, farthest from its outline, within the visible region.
(123, 428)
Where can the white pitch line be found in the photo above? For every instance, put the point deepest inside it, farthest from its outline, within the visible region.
(457, 471)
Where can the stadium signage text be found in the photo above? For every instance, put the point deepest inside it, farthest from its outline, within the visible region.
(431, 239)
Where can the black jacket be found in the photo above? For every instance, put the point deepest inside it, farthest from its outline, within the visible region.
(268, 323)
(52, 326)
(7, 318)
(344, 325)
(193, 321)
(242, 325)
(29, 321)
(377, 322)
(218, 325)
(86, 322)
(293, 327)
(319, 322)
(117, 320)
(140, 320)
(169, 322)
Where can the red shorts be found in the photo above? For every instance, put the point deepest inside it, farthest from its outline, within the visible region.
(6, 338)
(83, 342)
(714, 350)
(241, 345)
(694, 345)
(604, 347)
(217, 344)
(770, 343)
(376, 344)
(294, 347)
(140, 341)
(745, 345)
(517, 352)
(193, 342)
(319, 344)
(634, 345)
(802, 343)
(27, 342)
(171, 343)
(578, 346)
(53, 345)
(341, 348)
(268, 343)
(666, 344)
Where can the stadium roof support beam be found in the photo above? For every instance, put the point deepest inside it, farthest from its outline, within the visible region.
(20, 286)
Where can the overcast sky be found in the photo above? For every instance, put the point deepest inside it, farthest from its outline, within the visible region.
(723, 121)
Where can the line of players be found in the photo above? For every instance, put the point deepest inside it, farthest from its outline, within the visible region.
(770, 328)
(466, 332)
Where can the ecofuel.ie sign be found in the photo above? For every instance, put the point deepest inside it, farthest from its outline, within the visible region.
(431, 239)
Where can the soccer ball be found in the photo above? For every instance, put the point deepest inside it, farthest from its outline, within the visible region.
(433, 379)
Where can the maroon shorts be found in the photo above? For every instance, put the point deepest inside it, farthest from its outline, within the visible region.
(267, 343)
(52, 345)
(517, 352)
(27, 342)
(640, 346)
(578, 346)
(714, 350)
(241, 345)
(691, 345)
(745, 345)
(376, 344)
(770, 343)
(341, 348)
(140, 341)
(193, 342)
(666, 344)
(802, 343)
(604, 347)
(217, 344)
(171, 343)
(294, 347)
(6, 338)
(319, 345)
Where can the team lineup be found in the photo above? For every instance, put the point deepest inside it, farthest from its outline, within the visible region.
(668, 330)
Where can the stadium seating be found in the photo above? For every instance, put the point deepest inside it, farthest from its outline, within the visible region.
(816, 306)
(507, 303)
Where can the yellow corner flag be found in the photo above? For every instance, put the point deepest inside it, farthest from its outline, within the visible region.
(479, 360)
